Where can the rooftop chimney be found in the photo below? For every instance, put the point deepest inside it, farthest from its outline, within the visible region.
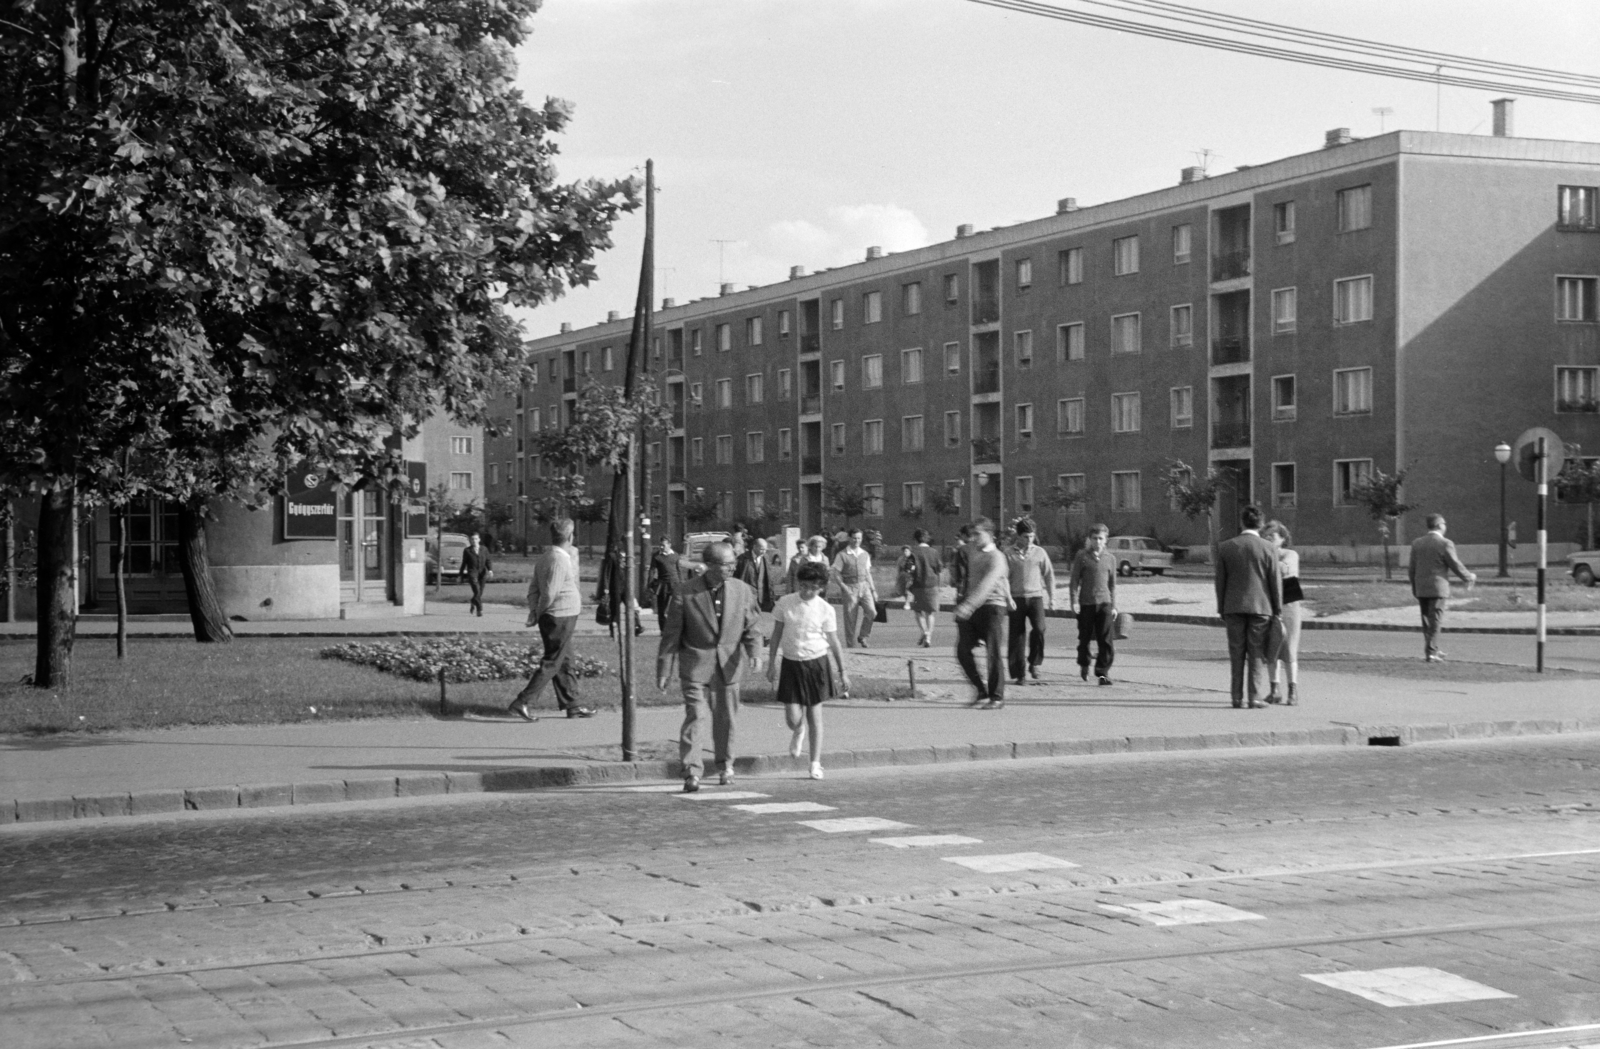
(566, 326)
(1188, 175)
(796, 272)
(612, 316)
(1339, 136)
(668, 303)
(1066, 204)
(964, 230)
(727, 289)
(1502, 116)
(874, 252)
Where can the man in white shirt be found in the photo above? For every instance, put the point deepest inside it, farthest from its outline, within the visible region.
(554, 604)
(853, 569)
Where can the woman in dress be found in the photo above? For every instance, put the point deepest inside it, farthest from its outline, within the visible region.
(805, 638)
(1289, 569)
(922, 585)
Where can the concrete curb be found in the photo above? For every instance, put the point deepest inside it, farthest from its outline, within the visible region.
(1322, 624)
(410, 785)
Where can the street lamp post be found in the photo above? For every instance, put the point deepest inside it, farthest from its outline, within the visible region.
(1502, 452)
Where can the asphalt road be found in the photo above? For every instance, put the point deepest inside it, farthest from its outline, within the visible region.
(643, 918)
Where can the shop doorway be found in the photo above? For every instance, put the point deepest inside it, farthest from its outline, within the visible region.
(363, 548)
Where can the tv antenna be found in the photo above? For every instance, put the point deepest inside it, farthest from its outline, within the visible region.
(722, 248)
(1381, 112)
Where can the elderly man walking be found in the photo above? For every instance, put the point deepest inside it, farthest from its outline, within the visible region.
(1433, 558)
(708, 637)
(553, 606)
(1249, 598)
(755, 571)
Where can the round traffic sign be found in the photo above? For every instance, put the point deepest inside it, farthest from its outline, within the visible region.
(1525, 452)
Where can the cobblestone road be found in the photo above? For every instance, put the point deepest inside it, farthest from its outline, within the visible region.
(1171, 901)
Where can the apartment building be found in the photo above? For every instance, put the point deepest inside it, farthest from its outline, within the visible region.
(1408, 300)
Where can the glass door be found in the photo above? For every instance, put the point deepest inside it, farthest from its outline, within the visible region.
(363, 564)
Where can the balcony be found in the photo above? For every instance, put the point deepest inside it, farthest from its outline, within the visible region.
(675, 358)
(1230, 435)
(811, 404)
(1230, 265)
(811, 464)
(569, 385)
(986, 378)
(985, 450)
(1230, 349)
(986, 309)
(811, 343)
(679, 416)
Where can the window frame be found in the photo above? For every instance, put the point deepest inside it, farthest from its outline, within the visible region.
(1137, 491)
(1182, 243)
(1290, 294)
(952, 434)
(1346, 216)
(836, 314)
(723, 450)
(755, 441)
(1371, 302)
(836, 375)
(1138, 329)
(872, 371)
(1125, 266)
(911, 298)
(697, 451)
(1563, 213)
(1069, 266)
(1588, 286)
(1024, 491)
(909, 375)
(869, 427)
(952, 289)
(464, 477)
(913, 433)
(755, 388)
(1023, 268)
(785, 444)
(872, 307)
(724, 388)
(724, 337)
(753, 333)
(1064, 412)
(872, 497)
(1284, 413)
(1025, 420)
(1278, 494)
(1338, 391)
(1119, 403)
(460, 444)
(1340, 491)
(1180, 340)
(912, 496)
(952, 358)
(1022, 349)
(1064, 342)
(1593, 371)
(1074, 485)
(785, 384)
(1283, 232)
(838, 439)
(1187, 422)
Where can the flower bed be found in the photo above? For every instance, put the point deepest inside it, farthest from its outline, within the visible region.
(463, 658)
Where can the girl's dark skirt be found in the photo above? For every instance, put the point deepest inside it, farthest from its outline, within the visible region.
(806, 682)
(925, 600)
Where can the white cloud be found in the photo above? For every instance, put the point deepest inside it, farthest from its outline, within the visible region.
(844, 236)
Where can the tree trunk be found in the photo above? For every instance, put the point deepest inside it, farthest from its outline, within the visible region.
(58, 601)
(119, 572)
(205, 611)
(8, 563)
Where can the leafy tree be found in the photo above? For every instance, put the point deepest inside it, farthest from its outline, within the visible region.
(1380, 495)
(700, 510)
(237, 235)
(844, 500)
(943, 503)
(1579, 482)
(1196, 497)
(500, 516)
(603, 421)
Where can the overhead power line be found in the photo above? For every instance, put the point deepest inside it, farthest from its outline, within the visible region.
(1437, 76)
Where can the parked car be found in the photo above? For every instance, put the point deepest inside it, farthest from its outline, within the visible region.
(454, 543)
(694, 545)
(1584, 565)
(1138, 553)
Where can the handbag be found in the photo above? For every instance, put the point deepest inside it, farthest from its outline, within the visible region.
(882, 613)
(1124, 627)
(1275, 639)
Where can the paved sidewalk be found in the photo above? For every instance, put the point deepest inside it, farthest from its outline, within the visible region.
(1159, 702)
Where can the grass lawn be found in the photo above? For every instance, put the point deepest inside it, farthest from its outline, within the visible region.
(1562, 595)
(270, 681)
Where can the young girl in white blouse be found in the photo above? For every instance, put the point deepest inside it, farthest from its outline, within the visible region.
(805, 638)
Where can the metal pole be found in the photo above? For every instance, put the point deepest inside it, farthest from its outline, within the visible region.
(1504, 571)
(630, 750)
(1544, 494)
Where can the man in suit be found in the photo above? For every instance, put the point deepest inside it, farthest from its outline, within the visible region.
(475, 569)
(554, 603)
(755, 571)
(708, 636)
(1249, 598)
(1433, 558)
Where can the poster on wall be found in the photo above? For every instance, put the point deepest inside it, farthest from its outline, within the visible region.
(416, 500)
(311, 504)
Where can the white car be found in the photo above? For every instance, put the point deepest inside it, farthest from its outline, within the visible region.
(1138, 553)
(1584, 566)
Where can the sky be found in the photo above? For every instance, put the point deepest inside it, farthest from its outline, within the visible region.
(800, 132)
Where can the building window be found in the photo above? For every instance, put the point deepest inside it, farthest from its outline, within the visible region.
(837, 432)
(872, 496)
(697, 451)
(1182, 326)
(654, 453)
(1285, 303)
(1069, 342)
(1024, 274)
(911, 433)
(461, 480)
(1025, 494)
(755, 389)
(1124, 413)
(1182, 407)
(836, 311)
(1069, 417)
(752, 331)
(1125, 256)
(786, 501)
(1070, 266)
(724, 338)
(952, 358)
(725, 449)
(494, 474)
(1125, 336)
(872, 371)
(1125, 491)
(952, 429)
(460, 446)
(724, 393)
(783, 324)
(533, 420)
(1352, 300)
(607, 359)
(911, 497)
(785, 384)
(587, 363)
(1575, 298)
(836, 373)
(1352, 391)
(725, 506)
(755, 502)
(1073, 490)
(1355, 208)
(755, 447)
(1576, 390)
(1283, 222)
(1348, 476)
(872, 307)
(1283, 398)
(952, 491)
(533, 380)
(910, 366)
(696, 395)
(1283, 484)
(952, 289)
(1182, 242)
(697, 344)
(1024, 421)
(872, 437)
(911, 298)
(785, 445)
(1024, 347)
(1575, 207)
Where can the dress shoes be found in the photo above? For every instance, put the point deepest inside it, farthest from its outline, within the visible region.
(979, 700)
(520, 709)
(580, 712)
(691, 784)
(1033, 672)
(726, 779)
(1238, 704)
(1083, 672)
(1104, 680)
(995, 704)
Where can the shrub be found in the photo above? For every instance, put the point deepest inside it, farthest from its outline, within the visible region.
(462, 658)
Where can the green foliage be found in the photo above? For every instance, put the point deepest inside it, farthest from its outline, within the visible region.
(843, 500)
(461, 657)
(1579, 479)
(1194, 497)
(699, 510)
(1380, 495)
(943, 503)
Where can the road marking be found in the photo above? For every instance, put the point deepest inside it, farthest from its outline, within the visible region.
(926, 841)
(1409, 985)
(726, 795)
(1012, 861)
(854, 823)
(654, 788)
(785, 806)
(1184, 912)
(1507, 1039)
